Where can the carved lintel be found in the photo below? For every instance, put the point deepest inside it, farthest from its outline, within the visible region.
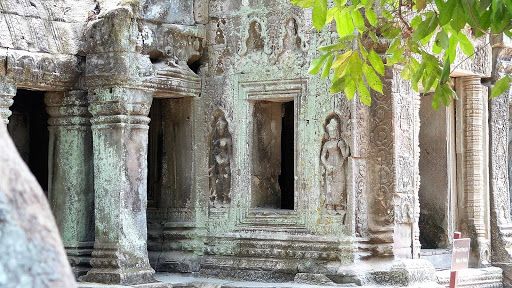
(42, 71)
(7, 92)
(117, 69)
(174, 81)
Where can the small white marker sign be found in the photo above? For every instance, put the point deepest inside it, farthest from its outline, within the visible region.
(460, 253)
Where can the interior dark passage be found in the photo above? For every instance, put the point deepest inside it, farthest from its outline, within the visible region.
(286, 178)
(273, 152)
(155, 143)
(434, 190)
(28, 127)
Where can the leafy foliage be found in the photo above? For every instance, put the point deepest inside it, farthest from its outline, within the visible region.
(421, 35)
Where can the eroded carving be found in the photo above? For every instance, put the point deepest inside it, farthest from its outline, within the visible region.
(220, 161)
(334, 156)
(255, 41)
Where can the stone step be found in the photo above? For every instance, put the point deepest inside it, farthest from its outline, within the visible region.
(180, 281)
(490, 277)
(440, 258)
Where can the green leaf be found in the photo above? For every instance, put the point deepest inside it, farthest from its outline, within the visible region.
(459, 18)
(341, 70)
(416, 76)
(449, 91)
(341, 59)
(446, 13)
(387, 14)
(394, 45)
(500, 87)
(445, 97)
(317, 63)
(436, 100)
(406, 72)
(364, 94)
(350, 88)
(396, 57)
(344, 24)
(416, 21)
(431, 78)
(330, 14)
(371, 77)
(436, 49)
(332, 47)
(442, 40)
(426, 40)
(421, 4)
(319, 14)
(425, 28)
(391, 33)
(355, 67)
(327, 67)
(358, 20)
(363, 51)
(376, 62)
(445, 75)
(371, 16)
(338, 86)
(484, 4)
(373, 36)
(452, 49)
(303, 3)
(464, 44)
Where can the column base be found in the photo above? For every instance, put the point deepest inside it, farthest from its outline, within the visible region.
(119, 276)
(79, 256)
(112, 265)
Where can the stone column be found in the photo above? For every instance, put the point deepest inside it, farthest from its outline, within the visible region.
(473, 165)
(7, 92)
(70, 179)
(120, 143)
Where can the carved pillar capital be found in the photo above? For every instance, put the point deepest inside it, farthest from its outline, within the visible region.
(68, 108)
(7, 92)
(118, 106)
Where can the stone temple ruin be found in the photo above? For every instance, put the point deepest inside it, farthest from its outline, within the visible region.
(186, 136)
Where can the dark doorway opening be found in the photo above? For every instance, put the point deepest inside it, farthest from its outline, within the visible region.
(273, 151)
(155, 143)
(28, 127)
(286, 178)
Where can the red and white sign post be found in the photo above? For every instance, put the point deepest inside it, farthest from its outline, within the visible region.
(460, 256)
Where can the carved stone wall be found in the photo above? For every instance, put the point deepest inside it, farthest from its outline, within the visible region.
(225, 72)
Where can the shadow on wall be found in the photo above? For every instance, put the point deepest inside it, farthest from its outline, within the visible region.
(32, 254)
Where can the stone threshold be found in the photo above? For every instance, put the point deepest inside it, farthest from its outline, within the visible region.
(169, 280)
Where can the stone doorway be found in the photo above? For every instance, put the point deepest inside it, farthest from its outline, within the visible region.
(273, 160)
(437, 189)
(170, 154)
(28, 127)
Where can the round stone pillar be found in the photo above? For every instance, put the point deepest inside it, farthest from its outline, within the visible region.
(120, 143)
(70, 179)
(7, 92)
